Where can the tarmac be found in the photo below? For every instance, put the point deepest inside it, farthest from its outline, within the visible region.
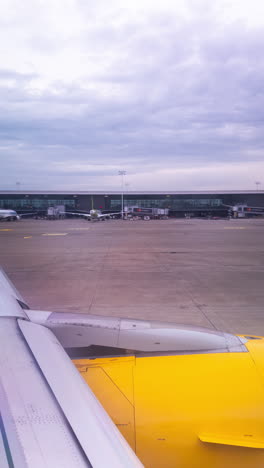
(208, 273)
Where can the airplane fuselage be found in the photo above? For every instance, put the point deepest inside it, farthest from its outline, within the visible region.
(9, 215)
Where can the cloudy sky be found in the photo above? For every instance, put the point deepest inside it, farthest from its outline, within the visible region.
(170, 91)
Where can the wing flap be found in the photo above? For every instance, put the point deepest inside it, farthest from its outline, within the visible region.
(97, 434)
(246, 440)
(35, 432)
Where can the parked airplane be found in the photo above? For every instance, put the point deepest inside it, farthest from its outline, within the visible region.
(94, 215)
(180, 396)
(11, 215)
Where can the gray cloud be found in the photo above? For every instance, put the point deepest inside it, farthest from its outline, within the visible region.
(159, 91)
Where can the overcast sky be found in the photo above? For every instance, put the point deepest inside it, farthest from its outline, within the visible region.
(170, 91)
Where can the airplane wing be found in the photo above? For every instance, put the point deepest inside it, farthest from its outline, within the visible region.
(27, 214)
(255, 207)
(88, 215)
(85, 215)
(49, 417)
(108, 215)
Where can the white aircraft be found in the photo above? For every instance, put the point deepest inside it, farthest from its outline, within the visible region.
(11, 215)
(94, 215)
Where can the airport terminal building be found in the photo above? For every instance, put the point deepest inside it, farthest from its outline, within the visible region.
(179, 203)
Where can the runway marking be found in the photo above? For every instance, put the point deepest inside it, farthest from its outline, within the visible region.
(27, 237)
(235, 227)
(6, 229)
(55, 234)
(79, 229)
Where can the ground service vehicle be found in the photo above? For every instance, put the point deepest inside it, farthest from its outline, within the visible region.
(146, 213)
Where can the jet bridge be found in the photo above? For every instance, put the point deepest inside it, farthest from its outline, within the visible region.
(243, 211)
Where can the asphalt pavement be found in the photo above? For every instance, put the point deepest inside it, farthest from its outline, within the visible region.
(201, 272)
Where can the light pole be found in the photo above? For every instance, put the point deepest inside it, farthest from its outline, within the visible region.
(122, 173)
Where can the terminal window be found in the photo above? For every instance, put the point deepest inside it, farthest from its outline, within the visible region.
(169, 202)
(35, 203)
